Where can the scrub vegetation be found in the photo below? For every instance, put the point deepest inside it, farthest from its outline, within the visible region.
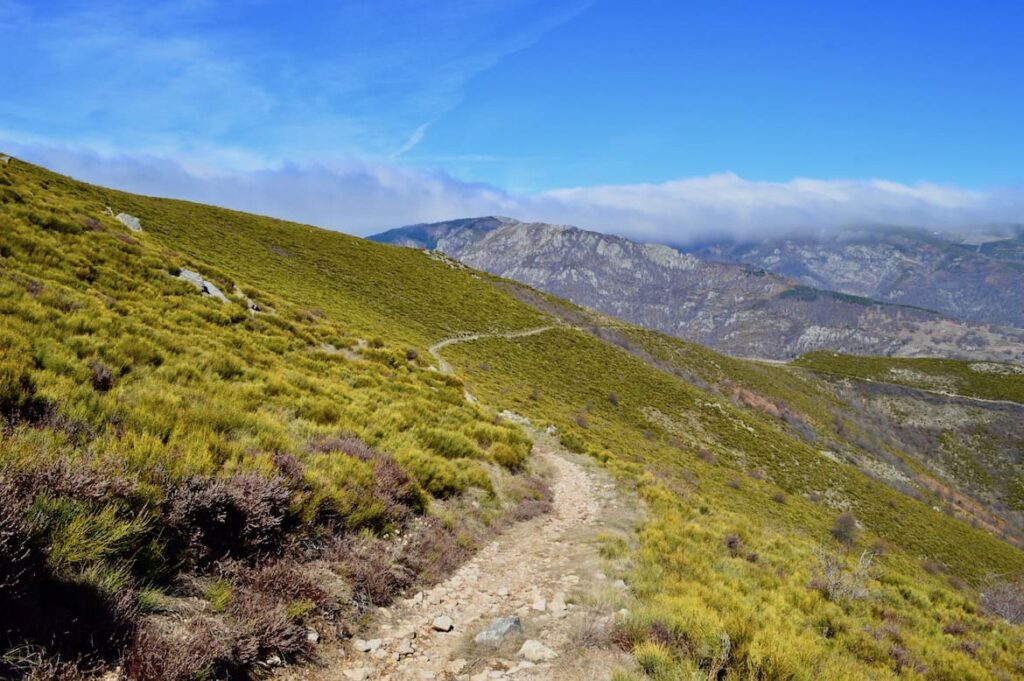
(289, 458)
(155, 438)
(984, 380)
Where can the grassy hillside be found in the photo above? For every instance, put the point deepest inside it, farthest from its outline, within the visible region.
(984, 380)
(739, 509)
(962, 455)
(153, 433)
(251, 471)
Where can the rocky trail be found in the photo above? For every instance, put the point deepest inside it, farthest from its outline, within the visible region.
(538, 602)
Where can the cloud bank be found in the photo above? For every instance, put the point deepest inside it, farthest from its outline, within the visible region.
(365, 197)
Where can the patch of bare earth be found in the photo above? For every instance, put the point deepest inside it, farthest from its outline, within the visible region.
(548, 572)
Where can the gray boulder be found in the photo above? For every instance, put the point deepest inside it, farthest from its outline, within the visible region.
(498, 630)
(206, 287)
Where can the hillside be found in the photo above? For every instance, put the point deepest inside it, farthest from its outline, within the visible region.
(224, 432)
(974, 278)
(734, 308)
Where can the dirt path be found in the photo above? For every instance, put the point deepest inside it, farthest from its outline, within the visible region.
(930, 391)
(548, 572)
(436, 348)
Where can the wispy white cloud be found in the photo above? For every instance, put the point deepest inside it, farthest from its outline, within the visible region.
(363, 197)
(415, 138)
(256, 78)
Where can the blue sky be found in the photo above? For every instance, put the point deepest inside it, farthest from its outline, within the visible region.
(662, 120)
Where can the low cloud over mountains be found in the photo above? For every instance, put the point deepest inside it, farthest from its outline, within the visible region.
(363, 197)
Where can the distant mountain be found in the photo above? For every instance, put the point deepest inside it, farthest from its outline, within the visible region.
(737, 308)
(977, 277)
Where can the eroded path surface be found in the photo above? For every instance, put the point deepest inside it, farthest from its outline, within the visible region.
(445, 367)
(548, 572)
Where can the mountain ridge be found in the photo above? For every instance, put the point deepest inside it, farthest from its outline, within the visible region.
(741, 308)
(973, 277)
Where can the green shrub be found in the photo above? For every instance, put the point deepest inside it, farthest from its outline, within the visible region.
(17, 389)
(508, 456)
(449, 444)
(573, 442)
(219, 594)
(655, 660)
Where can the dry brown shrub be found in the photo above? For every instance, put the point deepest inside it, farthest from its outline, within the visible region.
(237, 517)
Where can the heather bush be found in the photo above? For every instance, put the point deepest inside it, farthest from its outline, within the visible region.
(372, 568)
(844, 529)
(237, 517)
(102, 376)
(260, 627)
(734, 544)
(286, 581)
(19, 552)
(432, 550)
(157, 655)
(535, 498)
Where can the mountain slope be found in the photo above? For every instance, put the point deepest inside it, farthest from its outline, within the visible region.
(735, 308)
(192, 482)
(976, 279)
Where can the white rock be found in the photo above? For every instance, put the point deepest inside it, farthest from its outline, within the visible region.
(366, 646)
(442, 623)
(535, 651)
(360, 674)
(539, 604)
(313, 636)
(619, 584)
(130, 221)
(404, 649)
(503, 591)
